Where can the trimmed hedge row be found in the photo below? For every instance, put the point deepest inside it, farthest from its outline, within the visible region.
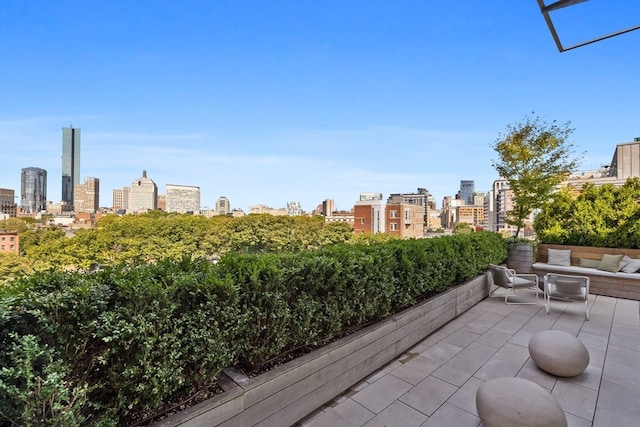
(115, 346)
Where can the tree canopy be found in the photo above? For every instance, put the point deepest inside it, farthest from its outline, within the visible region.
(604, 216)
(534, 156)
(150, 237)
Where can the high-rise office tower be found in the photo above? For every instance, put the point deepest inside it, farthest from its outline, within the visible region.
(183, 198)
(121, 198)
(87, 196)
(328, 206)
(33, 190)
(467, 188)
(7, 203)
(223, 206)
(70, 163)
(143, 195)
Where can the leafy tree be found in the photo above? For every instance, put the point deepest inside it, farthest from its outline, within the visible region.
(603, 216)
(462, 228)
(14, 224)
(534, 156)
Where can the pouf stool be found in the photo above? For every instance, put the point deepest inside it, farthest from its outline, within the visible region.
(503, 402)
(559, 353)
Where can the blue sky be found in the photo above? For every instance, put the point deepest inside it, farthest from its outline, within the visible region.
(276, 101)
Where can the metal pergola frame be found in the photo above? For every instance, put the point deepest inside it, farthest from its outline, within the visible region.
(545, 9)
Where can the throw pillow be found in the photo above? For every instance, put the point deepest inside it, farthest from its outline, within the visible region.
(632, 266)
(559, 257)
(589, 263)
(610, 263)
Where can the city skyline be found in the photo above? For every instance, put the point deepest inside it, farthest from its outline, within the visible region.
(273, 102)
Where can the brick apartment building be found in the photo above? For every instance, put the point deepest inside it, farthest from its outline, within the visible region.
(9, 242)
(405, 220)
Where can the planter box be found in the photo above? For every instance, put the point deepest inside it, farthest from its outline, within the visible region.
(292, 391)
(520, 258)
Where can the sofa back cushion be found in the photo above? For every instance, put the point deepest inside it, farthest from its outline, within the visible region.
(559, 257)
(589, 263)
(610, 263)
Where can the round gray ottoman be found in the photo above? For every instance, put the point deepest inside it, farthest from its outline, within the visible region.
(506, 402)
(558, 353)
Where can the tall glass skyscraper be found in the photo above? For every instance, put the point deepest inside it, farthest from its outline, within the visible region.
(467, 188)
(70, 163)
(33, 190)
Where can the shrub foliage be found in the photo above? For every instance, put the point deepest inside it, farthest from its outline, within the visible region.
(118, 345)
(603, 216)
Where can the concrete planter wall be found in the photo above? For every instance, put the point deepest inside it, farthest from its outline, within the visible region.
(291, 391)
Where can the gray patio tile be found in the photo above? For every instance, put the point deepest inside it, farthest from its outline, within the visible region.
(360, 386)
(539, 323)
(575, 399)
(453, 326)
(626, 337)
(596, 357)
(416, 369)
(397, 415)
(623, 356)
(589, 378)
(309, 418)
(497, 305)
(621, 374)
(381, 393)
(592, 340)
(570, 323)
(456, 371)
(479, 308)
(497, 368)
(390, 367)
(354, 412)
(507, 326)
(493, 338)
(534, 374)
(594, 327)
(513, 353)
(477, 353)
(441, 353)
(519, 316)
(348, 414)
(617, 406)
(600, 317)
(484, 323)
(627, 313)
(450, 415)
(465, 397)
(467, 317)
(573, 421)
(433, 339)
(521, 338)
(461, 338)
(428, 395)
(532, 309)
(479, 340)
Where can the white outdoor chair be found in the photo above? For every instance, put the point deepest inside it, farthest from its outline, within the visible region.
(508, 279)
(568, 288)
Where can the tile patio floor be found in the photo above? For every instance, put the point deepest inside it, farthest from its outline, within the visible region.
(435, 382)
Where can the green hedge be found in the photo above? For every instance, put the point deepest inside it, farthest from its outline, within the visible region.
(116, 346)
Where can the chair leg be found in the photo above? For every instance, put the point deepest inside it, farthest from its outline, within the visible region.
(518, 303)
(586, 307)
(547, 302)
